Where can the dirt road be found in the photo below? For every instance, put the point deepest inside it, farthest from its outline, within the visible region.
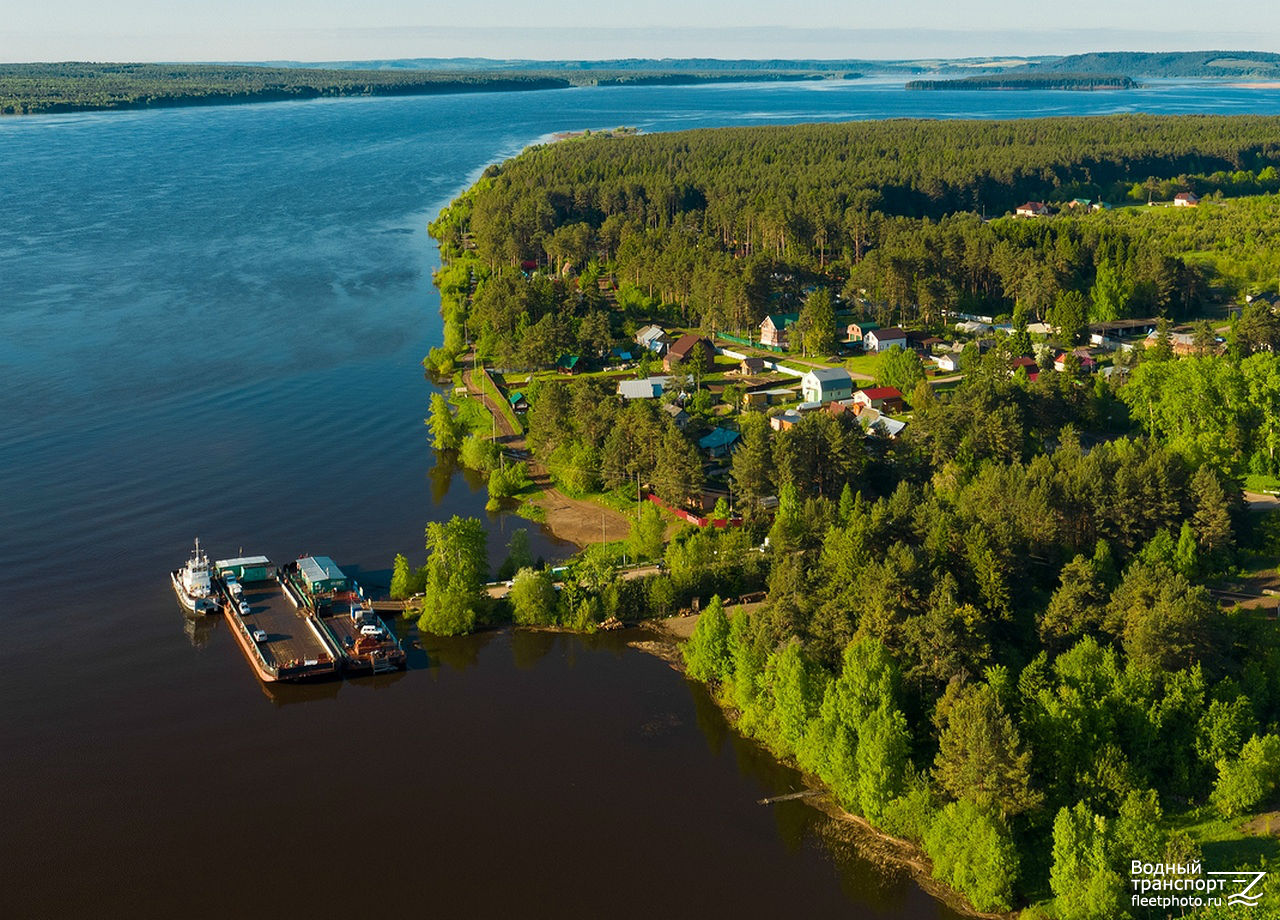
(573, 519)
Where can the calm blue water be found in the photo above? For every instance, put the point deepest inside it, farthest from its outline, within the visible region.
(211, 322)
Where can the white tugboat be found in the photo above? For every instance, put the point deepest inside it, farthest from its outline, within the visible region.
(193, 585)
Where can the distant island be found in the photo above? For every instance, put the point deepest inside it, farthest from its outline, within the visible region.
(1075, 81)
(27, 89)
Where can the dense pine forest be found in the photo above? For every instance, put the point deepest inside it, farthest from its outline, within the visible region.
(718, 228)
(1077, 81)
(1001, 635)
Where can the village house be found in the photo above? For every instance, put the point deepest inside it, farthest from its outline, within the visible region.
(875, 422)
(923, 342)
(1120, 333)
(1182, 340)
(518, 402)
(1087, 362)
(773, 331)
(884, 339)
(653, 338)
(824, 384)
(568, 364)
(841, 406)
(753, 399)
(1186, 200)
(678, 415)
(857, 331)
(648, 388)
(885, 399)
(680, 350)
(720, 442)
(949, 362)
(1032, 209)
(784, 420)
(1023, 362)
(621, 354)
(750, 366)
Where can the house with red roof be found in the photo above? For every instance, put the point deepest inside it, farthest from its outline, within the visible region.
(882, 398)
(683, 347)
(1088, 363)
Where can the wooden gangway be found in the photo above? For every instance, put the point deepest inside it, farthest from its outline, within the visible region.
(389, 606)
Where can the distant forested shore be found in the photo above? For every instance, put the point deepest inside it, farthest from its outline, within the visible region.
(28, 89)
(1029, 81)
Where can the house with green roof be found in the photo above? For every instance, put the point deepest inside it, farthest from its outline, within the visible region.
(568, 364)
(773, 331)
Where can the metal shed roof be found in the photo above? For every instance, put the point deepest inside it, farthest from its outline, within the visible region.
(319, 568)
(242, 562)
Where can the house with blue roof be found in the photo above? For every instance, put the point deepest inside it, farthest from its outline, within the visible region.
(720, 442)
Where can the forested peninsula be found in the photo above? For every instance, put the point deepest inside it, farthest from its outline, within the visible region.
(69, 87)
(1028, 81)
(1009, 601)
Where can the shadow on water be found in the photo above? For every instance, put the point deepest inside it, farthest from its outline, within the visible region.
(281, 694)
(440, 475)
(199, 630)
(855, 853)
(458, 653)
(529, 646)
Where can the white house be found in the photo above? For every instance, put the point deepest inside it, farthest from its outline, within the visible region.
(653, 338)
(1032, 209)
(884, 339)
(1186, 200)
(825, 384)
(949, 362)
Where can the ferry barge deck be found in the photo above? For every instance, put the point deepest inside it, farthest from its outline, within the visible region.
(280, 642)
(361, 641)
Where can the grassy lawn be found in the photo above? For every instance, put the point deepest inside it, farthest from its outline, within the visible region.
(622, 500)
(486, 384)
(1225, 843)
(473, 414)
(1257, 482)
(864, 364)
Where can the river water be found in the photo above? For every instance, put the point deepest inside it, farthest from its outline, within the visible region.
(211, 322)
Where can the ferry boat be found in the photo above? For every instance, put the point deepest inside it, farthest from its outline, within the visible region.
(193, 585)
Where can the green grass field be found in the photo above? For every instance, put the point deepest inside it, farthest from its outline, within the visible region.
(864, 364)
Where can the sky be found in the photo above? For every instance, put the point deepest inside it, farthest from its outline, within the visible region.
(335, 30)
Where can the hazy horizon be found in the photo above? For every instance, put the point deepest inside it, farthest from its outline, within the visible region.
(319, 45)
